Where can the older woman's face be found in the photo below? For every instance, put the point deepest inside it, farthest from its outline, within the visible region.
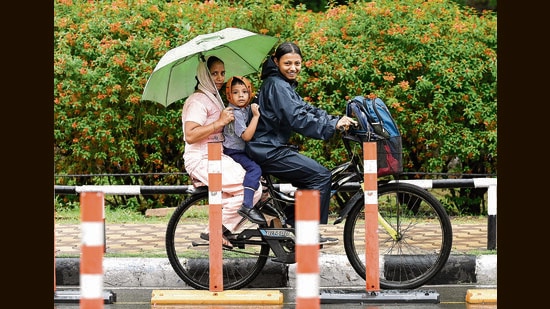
(218, 74)
(289, 65)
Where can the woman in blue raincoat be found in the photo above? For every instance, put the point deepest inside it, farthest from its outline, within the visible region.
(284, 112)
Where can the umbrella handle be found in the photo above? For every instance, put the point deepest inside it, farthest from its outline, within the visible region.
(210, 38)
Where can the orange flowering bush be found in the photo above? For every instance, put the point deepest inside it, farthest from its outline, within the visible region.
(433, 62)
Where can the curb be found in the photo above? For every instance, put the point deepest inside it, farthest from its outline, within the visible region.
(334, 270)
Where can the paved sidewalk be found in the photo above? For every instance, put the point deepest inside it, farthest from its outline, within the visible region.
(149, 238)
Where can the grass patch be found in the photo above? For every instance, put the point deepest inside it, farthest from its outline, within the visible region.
(72, 216)
(121, 255)
(482, 252)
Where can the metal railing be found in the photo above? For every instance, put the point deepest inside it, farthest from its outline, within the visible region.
(489, 183)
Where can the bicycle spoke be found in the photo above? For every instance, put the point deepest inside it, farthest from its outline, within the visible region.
(415, 236)
(189, 254)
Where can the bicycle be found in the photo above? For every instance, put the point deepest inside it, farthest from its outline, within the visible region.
(415, 232)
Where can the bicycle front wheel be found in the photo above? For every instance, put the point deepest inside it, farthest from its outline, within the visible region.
(414, 236)
(189, 254)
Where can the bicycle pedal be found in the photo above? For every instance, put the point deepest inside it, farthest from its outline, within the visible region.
(197, 244)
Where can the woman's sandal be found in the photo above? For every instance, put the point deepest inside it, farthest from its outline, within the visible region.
(225, 242)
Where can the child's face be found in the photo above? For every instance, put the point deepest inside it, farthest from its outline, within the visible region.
(239, 95)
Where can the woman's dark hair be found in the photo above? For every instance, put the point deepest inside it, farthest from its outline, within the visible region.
(211, 60)
(285, 48)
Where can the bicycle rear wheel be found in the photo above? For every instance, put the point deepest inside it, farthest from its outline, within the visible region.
(189, 255)
(415, 243)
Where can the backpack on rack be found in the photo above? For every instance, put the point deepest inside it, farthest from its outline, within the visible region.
(377, 125)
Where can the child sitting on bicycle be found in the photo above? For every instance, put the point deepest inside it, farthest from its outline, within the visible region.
(239, 94)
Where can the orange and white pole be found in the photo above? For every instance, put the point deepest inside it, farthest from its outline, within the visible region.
(93, 244)
(215, 215)
(370, 190)
(54, 278)
(307, 249)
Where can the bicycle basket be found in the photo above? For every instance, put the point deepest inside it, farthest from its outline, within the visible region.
(372, 129)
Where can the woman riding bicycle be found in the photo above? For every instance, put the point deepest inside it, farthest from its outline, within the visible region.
(284, 112)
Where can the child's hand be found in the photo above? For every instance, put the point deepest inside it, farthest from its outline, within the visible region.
(255, 109)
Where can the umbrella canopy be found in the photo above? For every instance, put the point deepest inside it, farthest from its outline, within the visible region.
(173, 78)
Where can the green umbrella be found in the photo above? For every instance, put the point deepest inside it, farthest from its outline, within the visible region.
(173, 78)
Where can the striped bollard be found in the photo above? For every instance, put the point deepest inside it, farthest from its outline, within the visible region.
(492, 217)
(54, 278)
(307, 249)
(215, 215)
(93, 244)
(372, 276)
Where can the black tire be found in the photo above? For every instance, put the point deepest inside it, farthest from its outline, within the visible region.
(424, 236)
(189, 255)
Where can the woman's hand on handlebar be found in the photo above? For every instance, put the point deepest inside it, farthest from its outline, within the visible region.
(345, 122)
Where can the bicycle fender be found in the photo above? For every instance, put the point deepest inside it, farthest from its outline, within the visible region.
(347, 208)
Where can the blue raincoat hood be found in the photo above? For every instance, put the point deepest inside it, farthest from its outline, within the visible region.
(283, 112)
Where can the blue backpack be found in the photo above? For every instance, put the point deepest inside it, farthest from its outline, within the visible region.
(377, 124)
